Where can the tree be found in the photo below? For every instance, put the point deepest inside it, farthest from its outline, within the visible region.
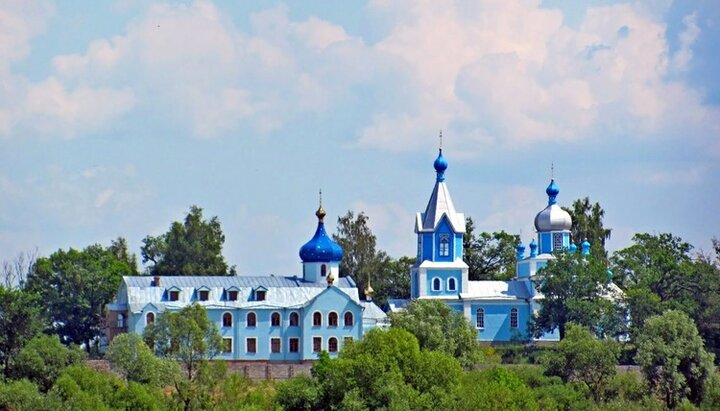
(43, 359)
(133, 359)
(490, 256)
(583, 358)
(193, 247)
(74, 287)
(587, 223)
(19, 322)
(392, 279)
(119, 248)
(438, 327)
(187, 336)
(574, 290)
(673, 360)
(14, 272)
(360, 259)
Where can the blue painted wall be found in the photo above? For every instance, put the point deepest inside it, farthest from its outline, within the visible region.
(444, 275)
(340, 303)
(497, 320)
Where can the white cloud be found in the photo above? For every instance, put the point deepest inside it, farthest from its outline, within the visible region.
(392, 224)
(682, 57)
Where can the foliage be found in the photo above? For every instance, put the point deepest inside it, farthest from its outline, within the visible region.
(119, 248)
(301, 393)
(133, 359)
(19, 322)
(22, 395)
(438, 327)
(672, 357)
(583, 358)
(587, 223)
(238, 392)
(43, 359)
(74, 287)
(495, 389)
(361, 259)
(193, 247)
(490, 256)
(187, 336)
(574, 287)
(392, 279)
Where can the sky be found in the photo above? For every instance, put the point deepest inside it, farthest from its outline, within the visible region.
(117, 116)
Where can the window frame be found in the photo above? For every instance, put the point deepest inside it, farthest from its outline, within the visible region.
(294, 316)
(297, 345)
(317, 319)
(438, 281)
(254, 345)
(232, 295)
(331, 341)
(319, 340)
(333, 318)
(225, 323)
(173, 295)
(121, 320)
(254, 320)
(277, 340)
(345, 319)
(480, 318)
(514, 318)
(444, 245)
(148, 315)
(452, 281)
(273, 316)
(223, 347)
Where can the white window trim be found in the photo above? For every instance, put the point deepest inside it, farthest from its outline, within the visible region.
(313, 319)
(353, 319)
(446, 253)
(146, 317)
(270, 351)
(279, 322)
(246, 319)
(338, 319)
(246, 345)
(232, 320)
(312, 341)
(337, 345)
(298, 319)
(483, 317)
(232, 345)
(432, 284)
(448, 284)
(299, 347)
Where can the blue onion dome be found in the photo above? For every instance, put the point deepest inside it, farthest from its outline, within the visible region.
(440, 165)
(552, 217)
(520, 248)
(573, 248)
(533, 248)
(321, 248)
(585, 247)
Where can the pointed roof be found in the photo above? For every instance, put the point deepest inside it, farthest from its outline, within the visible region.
(440, 204)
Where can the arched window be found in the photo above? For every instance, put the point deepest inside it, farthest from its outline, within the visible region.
(323, 270)
(480, 318)
(436, 284)
(514, 318)
(451, 284)
(251, 320)
(275, 319)
(332, 319)
(348, 319)
(121, 320)
(227, 320)
(294, 319)
(332, 344)
(444, 245)
(149, 318)
(317, 319)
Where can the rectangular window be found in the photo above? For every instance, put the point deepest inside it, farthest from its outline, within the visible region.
(514, 318)
(260, 295)
(174, 295)
(232, 295)
(294, 344)
(227, 344)
(444, 245)
(557, 241)
(317, 344)
(275, 345)
(204, 295)
(251, 345)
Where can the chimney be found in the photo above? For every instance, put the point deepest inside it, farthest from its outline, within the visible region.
(156, 281)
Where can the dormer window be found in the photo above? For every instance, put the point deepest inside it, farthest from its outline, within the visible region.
(203, 295)
(444, 245)
(260, 295)
(173, 295)
(232, 295)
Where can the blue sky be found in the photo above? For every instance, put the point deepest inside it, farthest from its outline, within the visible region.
(116, 116)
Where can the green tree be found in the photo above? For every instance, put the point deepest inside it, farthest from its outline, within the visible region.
(298, 394)
(490, 256)
(438, 327)
(587, 223)
(74, 287)
(583, 358)
(673, 359)
(133, 359)
(22, 395)
(193, 247)
(19, 322)
(187, 336)
(574, 288)
(361, 259)
(43, 359)
(495, 389)
(392, 279)
(119, 248)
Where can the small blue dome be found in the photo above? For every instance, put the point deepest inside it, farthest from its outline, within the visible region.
(585, 247)
(321, 248)
(573, 248)
(440, 165)
(552, 191)
(520, 248)
(533, 249)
